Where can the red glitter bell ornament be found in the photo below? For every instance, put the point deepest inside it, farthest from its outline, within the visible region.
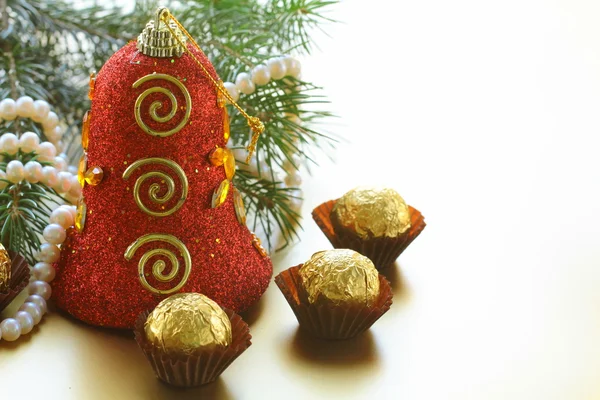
(159, 213)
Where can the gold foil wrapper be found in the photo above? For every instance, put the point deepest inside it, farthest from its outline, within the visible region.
(5, 269)
(340, 276)
(374, 212)
(187, 322)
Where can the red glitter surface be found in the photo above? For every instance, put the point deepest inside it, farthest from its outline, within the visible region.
(94, 282)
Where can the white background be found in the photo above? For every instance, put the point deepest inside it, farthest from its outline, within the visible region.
(484, 116)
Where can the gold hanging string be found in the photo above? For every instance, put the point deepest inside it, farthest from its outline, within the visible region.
(254, 122)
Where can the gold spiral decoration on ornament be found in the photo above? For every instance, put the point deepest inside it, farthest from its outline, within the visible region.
(156, 105)
(159, 266)
(155, 188)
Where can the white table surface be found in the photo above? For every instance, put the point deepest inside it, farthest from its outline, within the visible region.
(483, 115)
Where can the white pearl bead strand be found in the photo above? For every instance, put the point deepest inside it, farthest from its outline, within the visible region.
(37, 110)
(275, 68)
(58, 176)
(54, 176)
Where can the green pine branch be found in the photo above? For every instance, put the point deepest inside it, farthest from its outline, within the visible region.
(50, 47)
(25, 209)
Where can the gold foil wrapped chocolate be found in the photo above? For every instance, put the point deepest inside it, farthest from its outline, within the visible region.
(186, 322)
(340, 276)
(372, 212)
(5, 269)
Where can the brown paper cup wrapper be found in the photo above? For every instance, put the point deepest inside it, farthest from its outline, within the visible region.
(328, 321)
(199, 368)
(18, 281)
(382, 251)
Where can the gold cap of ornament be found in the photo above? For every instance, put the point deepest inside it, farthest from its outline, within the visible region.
(157, 40)
(372, 212)
(340, 276)
(186, 322)
(5, 269)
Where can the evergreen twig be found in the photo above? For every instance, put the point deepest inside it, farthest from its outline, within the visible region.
(50, 47)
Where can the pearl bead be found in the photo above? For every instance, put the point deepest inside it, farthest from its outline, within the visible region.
(293, 118)
(51, 135)
(72, 199)
(292, 67)
(295, 193)
(292, 164)
(60, 146)
(251, 167)
(257, 168)
(9, 143)
(40, 288)
(28, 142)
(296, 204)
(72, 169)
(39, 301)
(25, 106)
(57, 133)
(261, 75)
(264, 171)
(3, 184)
(233, 92)
(75, 190)
(64, 182)
(15, 172)
(44, 272)
(49, 176)
(276, 68)
(51, 121)
(49, 253)
(244, 83)
(26, 321)
(33, 310)
(239, 154)
(60, 163)
(11, 329)
(293, 180)
(73, 210)
(41, 108)
(8, 109)
(63, 217)
(46, 151)
(55, 234)
(33, 171)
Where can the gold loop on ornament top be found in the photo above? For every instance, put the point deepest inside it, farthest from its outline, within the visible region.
(156, 105)
(158, 268)
(154, 189)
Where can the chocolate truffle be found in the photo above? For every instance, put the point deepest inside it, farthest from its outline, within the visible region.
(340, 276)
(372, 212)
(186, 322)
(5, 269)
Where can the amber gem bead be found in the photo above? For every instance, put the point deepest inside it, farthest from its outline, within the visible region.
(226, 128)
(82, 169)
(217, 156)
(229, 164)
(85, 130)
(223, 156)
(258, 245)
(92, 86)
(94, 175)
(81, 214)
(220, 194)
(238, 203)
